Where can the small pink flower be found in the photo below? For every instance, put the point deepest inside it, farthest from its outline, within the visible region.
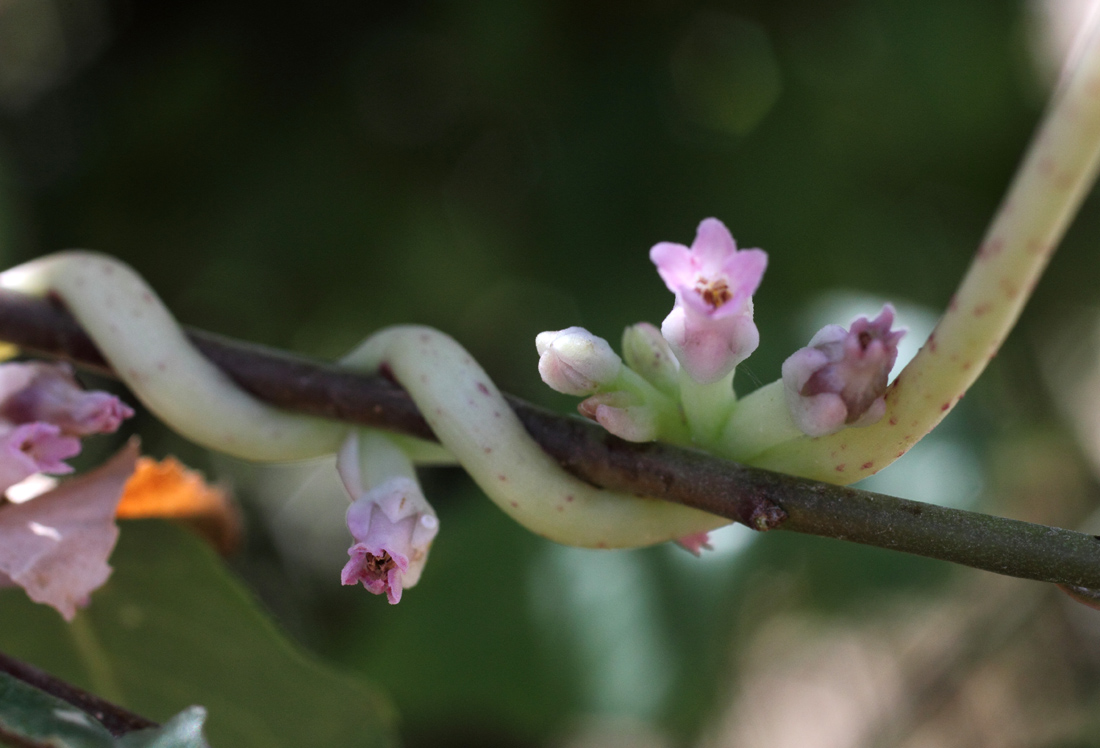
(710, 329)
(840, 378)
(38, 391)
(393, 526)
(33, 448)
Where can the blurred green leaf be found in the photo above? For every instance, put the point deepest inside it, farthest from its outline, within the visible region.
(34, 715)
(173, 628)
(182, 731)
(37, 716)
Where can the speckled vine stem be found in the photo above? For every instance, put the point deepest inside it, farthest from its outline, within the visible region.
(1054, 177)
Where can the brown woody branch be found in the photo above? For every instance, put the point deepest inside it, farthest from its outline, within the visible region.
(758, 498)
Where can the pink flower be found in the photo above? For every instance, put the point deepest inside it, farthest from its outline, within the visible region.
(710, 329)
(55, 546)
(840, 378)
(38, 391)
(393, 526)
(42, 411)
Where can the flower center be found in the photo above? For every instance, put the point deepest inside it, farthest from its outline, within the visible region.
(715, 293)
(378, 567)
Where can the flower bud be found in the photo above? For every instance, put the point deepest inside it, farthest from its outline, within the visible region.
(573, 361)
(840, 378)
(621, 415)
(45, 392)
(648, 353)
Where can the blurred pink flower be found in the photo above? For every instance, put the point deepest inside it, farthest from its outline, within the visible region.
(33, 448)
(710, 328)
(42, 412)
(840, 378)
(39, 391)
(55, 546)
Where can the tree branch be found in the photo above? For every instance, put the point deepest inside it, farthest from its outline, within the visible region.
(117, 720)
(758, 498)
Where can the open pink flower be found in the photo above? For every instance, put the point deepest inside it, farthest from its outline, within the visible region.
(710, 329)
(393, 526)
(840, 378)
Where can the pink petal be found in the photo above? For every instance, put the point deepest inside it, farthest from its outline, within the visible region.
(674, 265)
(696, 543)
(56, 546)
(34, 448)
(713, 245)
(745, 271)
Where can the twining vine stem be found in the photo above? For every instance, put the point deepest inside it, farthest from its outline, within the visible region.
(761, 499)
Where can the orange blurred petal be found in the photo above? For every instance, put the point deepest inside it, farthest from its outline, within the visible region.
(168, 490)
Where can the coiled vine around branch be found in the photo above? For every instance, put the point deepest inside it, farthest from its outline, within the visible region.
(146, 347)
(144, 344)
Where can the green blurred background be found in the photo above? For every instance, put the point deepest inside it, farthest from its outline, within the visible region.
(301, 174)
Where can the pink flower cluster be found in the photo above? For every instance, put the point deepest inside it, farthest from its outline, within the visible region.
(55, 546)
(43, 413)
